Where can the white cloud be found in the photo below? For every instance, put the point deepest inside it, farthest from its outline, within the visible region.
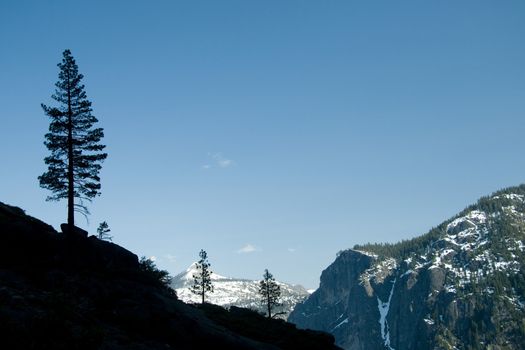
(170, 258)
(248, 248)
(219, 160)
(153, 258)
(224, 163)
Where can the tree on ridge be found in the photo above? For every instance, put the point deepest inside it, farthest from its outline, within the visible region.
(103, 231)
(202, 278)
(76, 151)
(270, 293)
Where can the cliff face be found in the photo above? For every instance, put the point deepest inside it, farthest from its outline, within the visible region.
(334, 304)
(459, 286)
(384, 311)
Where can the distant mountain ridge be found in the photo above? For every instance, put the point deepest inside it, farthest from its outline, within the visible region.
(460, 286)
(236, 292)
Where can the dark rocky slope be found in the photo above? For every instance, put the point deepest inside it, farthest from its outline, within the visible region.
(62, 291)
(460, 286)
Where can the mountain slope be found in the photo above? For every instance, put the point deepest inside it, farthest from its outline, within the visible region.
(68, 291)
(237, 292)
(460, 286)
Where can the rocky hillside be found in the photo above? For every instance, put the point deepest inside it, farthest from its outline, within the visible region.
(69, 291)
(237, 292)
(460, 286)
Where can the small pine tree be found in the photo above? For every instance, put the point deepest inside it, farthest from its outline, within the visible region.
(202, 279)
(76, 151)
(270, 292)
(103, 232)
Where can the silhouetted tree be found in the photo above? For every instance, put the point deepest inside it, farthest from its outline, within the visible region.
(76, 151)
(270, 292)
(202, 279)
(159, 277)
(103, 232)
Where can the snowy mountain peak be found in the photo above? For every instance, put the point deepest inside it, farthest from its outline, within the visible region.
(235, 291)
(192, 270)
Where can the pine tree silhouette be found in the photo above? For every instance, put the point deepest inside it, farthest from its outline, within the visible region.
(76, 151)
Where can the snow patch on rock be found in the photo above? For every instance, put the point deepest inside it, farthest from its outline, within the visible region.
(384, 307)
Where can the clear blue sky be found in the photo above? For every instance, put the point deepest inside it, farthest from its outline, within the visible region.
(293, 129)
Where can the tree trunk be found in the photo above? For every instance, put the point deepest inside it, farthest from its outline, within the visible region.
(269, 305)
(203, 286)
(70, 178)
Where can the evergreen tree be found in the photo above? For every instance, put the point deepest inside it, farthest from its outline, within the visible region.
(270, 292)
(103, 232)
(202, 279)
(159, 277)
(76, 151)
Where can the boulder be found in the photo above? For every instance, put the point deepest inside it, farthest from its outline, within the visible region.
(75, 232)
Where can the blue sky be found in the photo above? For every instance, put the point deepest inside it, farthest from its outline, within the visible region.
(271, 133)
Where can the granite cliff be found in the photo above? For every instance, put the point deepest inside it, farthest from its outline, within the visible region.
(460, 286)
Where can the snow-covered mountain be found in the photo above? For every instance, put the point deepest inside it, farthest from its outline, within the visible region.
(460, 286)
(236, 292)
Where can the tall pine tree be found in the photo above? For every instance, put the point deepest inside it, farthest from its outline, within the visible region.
(270, 292)
(76, 151)
(202, 278)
